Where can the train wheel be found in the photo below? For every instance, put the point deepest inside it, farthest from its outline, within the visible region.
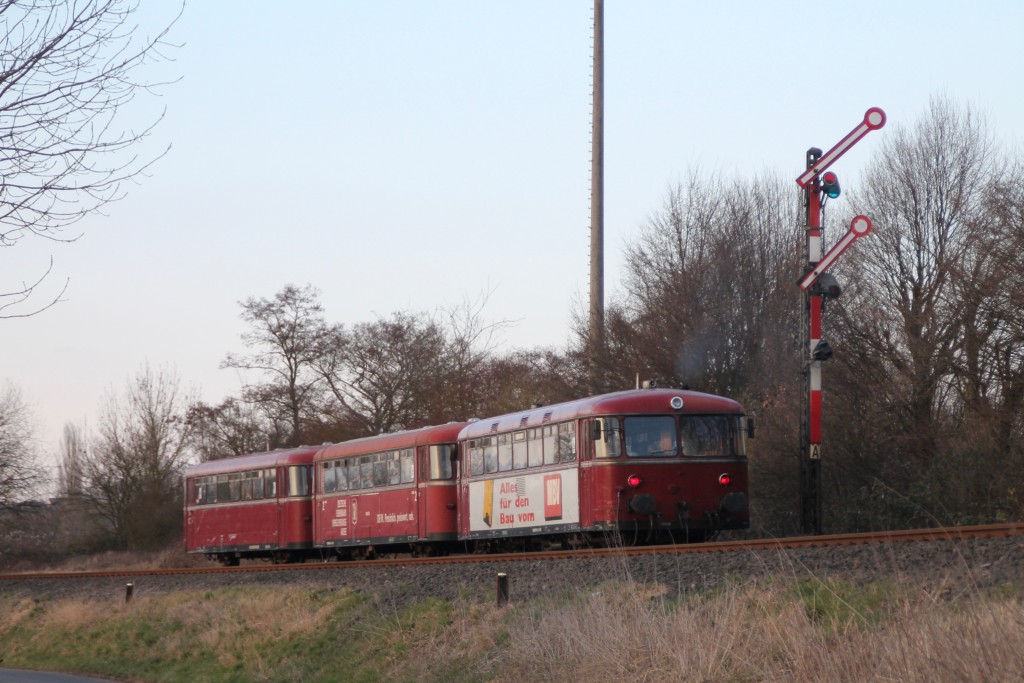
(229, 560)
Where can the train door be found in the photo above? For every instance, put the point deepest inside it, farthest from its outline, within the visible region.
(586, 462)
(422, 493)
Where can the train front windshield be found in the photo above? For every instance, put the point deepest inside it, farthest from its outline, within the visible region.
(694, 436)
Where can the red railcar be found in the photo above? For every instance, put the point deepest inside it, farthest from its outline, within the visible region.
(393, 492)
(633, 466)
(251, 506)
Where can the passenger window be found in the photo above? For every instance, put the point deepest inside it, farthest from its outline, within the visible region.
(235, 486)
(490, 454)
(567, 442)
(394, 468)
(380, 470)
(408, 467)
(550, 445)
(535, 447)
(257, 484)
(366, 471)
(330, 484)
(476, 457)
(519, 455)
(505, 452)
(340, 475)
(223, 490)
(270, 483)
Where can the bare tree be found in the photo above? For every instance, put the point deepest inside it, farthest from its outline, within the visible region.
(70, 471)
(132, 471)
(382, 372)
(708, 299)
(19, 475)
(231, 428)
(929, 342)
(68, 72)
(286, 335)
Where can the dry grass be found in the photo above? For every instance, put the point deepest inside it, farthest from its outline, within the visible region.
(791, 630)
(764, 634)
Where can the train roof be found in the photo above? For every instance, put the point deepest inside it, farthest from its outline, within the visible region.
(446, 433)
(635, 401)
(303, 455)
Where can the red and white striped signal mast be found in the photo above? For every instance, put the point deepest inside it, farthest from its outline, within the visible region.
(818, 285)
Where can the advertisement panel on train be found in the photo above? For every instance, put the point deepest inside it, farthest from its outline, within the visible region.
(525, 502)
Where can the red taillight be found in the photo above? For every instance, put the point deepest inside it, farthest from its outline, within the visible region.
(634, 480)
(724, 479)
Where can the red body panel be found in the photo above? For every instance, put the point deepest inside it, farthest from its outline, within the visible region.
(674, 493)
(272, 523)
(419, 510)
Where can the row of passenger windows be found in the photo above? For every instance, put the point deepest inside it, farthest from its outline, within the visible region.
(251, 485)
(536, 447)
(368, 471)
(227, 488)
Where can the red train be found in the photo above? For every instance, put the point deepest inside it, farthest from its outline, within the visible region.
(251, 506)
(644, 466)
(394, 490)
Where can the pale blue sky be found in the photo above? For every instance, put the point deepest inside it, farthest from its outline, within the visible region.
(408, 155)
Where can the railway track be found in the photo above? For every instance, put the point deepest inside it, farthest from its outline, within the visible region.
(882, 537)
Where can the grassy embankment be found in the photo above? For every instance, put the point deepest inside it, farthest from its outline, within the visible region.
(803, 630)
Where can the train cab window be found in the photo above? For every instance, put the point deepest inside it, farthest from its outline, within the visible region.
(567, 442)
(653, 436)
(408, 467)
(519, 454)
(535, 447)
(606, 433)
(709, 435)
(504, 452)
(441, 461)
(299, 480)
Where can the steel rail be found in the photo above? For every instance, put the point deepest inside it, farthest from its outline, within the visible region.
(901, 536)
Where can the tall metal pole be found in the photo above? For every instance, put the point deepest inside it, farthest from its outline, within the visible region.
(597, 204)
(811, 510)
(810, 441)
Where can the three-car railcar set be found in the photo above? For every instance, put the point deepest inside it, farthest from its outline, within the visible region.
(643, 466)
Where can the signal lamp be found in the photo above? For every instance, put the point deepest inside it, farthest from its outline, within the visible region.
(634, 480)
(724, 479)
(827, 286)
(822, 351)
(830, 184)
